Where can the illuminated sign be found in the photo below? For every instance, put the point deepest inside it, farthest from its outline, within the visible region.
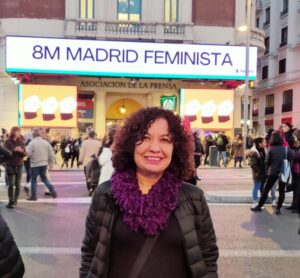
(168, 102)
(207, 109)
(47, 106)
(127, 59)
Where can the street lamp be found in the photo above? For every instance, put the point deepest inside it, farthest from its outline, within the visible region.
(246, 92)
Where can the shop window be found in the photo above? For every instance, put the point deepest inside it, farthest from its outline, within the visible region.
(171, 10)
(287, 101)
(129, 10)
(268, 16)
(284, 36)
(86, 9)
(282, 66)
(269, 104)
(265, 71)
(267, 44)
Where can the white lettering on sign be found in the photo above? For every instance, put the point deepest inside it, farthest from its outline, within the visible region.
(127, 59)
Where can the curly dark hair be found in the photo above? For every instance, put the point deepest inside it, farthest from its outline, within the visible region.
(134, 130)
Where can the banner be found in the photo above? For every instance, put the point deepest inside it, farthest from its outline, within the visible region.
(207, 109)
(47, 106)
(128, 59)
(85, 108)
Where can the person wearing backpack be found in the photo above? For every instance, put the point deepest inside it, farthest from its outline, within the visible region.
(221, 143)
(75, 152)
(275, 157)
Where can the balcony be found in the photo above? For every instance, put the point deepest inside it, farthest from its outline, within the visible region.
(284, 12)
(266, 24)
(83, 28)
(255, 113)
(257, 38)
(287, 107)
(283, 44)
(269, 110)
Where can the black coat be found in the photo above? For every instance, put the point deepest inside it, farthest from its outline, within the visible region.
(257, 164)
(274, 159)
(194, 219)
(11, 264)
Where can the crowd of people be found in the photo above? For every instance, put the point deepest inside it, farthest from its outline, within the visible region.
(139, 177)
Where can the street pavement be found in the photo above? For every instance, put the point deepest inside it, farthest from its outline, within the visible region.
(49, 232)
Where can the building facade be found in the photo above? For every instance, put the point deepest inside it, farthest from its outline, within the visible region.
(277, 95)
(153, 21)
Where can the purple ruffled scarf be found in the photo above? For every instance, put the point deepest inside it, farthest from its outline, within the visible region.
(146, 212)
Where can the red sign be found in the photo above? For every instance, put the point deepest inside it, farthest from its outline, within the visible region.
(269, 122)
(287, 120)
(85, 104)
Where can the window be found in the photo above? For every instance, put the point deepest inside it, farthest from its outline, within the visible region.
(268, 16)
(86, 9)
(282, 65)
(287, 101)
(257, 22)
(284, 36)
(269, 109)
(285, 7)
(270, 100)
(267, 44)
(255, 107)
(265, 70)
(171, 10)
(129, 10)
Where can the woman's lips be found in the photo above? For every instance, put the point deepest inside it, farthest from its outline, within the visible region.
(153, 159)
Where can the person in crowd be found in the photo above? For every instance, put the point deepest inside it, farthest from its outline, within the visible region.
(249, 141)
(88, 151)
(11, 263)
(296, 173)
(75, 151)
(221, 143)
(105, 155)
(295, 169)
(288, 130)
(209, 141)
(198, 149)
(4, 136)
(41, 157)
(268, 136)
(147, 206)
(274, 159)
(28, 139)
(257, 157)
(66, 150)
(14, 165)
(238, 150)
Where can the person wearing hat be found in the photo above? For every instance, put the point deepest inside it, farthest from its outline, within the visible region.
(89, 149)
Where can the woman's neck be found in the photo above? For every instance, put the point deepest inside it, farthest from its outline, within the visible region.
(146, 182)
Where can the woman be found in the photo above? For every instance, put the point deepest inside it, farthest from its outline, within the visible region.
(11, 264)
(288, 130)
(14, 165)
(238, 150)
(257, 158)
(275, 156)
(147, 206)
(66, 150)
(105, 156)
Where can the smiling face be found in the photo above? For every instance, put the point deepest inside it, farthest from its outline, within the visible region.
(154, 154)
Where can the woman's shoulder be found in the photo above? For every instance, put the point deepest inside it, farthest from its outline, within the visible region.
(191, 191)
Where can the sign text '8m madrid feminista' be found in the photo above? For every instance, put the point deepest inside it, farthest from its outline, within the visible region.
(127, 59)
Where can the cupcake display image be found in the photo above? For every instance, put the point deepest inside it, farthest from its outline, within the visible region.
(225, 108)
(67, 107)
(49, 107)
(191, 109)
(31, 105)
(208, 110)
